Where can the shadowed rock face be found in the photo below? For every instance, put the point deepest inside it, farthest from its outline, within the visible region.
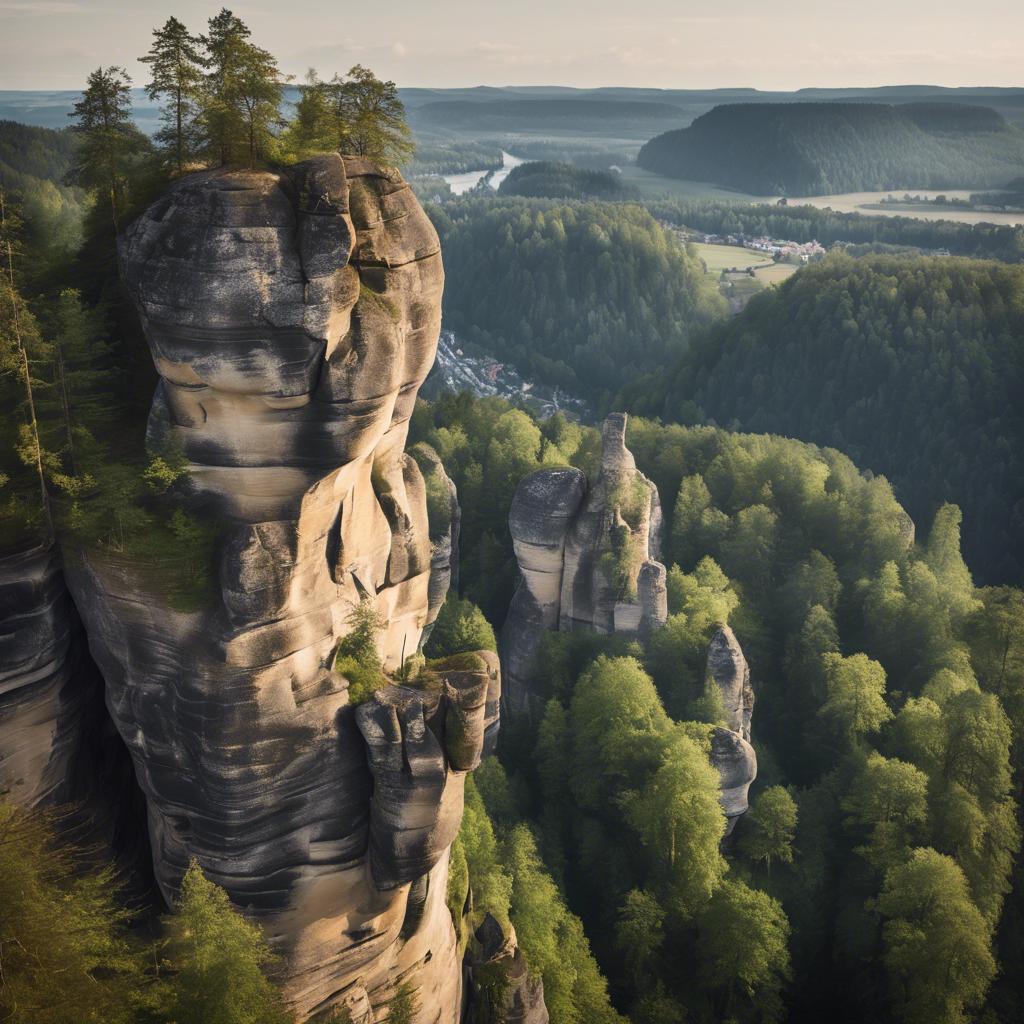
(620, 508)
(43, 688)
(587, 555)
(493, 952)
(731, 752)
(292, 317)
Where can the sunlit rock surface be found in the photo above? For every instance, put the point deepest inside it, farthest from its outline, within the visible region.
(292, 317)
(587, 554)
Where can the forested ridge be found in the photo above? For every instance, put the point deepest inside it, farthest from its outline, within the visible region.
(806, 149)
(548, 179)
(913, 367)
(582, 295)
(879, 848)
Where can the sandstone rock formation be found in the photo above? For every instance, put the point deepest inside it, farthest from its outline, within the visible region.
(731, 752)
(292, 317)
(727, 669)
(44, 687)
(494, 958)
(444, 518)
(587, 554)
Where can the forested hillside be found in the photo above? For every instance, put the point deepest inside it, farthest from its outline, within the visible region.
(805, 149)
(585, 296)
(34, 163)
(555, 180)
(913, 367)
(878, 850)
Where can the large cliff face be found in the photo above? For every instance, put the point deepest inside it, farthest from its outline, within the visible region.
(292, 317)
(44, 685)
(587, 554)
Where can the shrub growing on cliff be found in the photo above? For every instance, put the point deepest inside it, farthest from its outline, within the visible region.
(460, 627)
(358, 658)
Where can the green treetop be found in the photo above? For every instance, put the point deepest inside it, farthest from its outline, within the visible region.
(220, 958)
(109, 140)
(243, 93)
(176, 63)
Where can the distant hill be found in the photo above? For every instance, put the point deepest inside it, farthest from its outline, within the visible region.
(555, 180)
(802, 149)
(29, 154)
(597, 115)
(912, 367)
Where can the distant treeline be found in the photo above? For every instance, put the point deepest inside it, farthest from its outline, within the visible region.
(912, 367)
(808, 223)
(453, 158)
(803, 149)
(526, 115)
(553, 180)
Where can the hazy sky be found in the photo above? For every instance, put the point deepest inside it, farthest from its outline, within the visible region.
(52, 44)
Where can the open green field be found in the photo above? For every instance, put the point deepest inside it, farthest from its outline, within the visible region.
(725, 257)
(775, 273)
(871, 203)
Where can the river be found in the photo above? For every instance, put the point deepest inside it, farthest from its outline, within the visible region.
(460, 183)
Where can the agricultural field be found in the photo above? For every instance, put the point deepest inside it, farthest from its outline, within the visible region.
(871, 202)
(730, 257)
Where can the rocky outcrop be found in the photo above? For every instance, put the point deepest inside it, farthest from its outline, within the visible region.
(444, 518)
(615, 533)
(731, 752)
(542, 512)
(292, 317)
(727, 669)
(502, 990)
(44, 687)
(587, 555)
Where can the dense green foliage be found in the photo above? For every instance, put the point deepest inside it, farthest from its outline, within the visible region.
(547, 179)
(34, 165)
(355, 113)
(808, 223)
(68, 955)
(806, 149)
(460, 627)
(444, 156)
(498, 856)
(889, 692)
(910, 366)
(584, 296)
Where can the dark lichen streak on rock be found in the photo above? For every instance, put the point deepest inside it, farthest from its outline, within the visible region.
(292, 316)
